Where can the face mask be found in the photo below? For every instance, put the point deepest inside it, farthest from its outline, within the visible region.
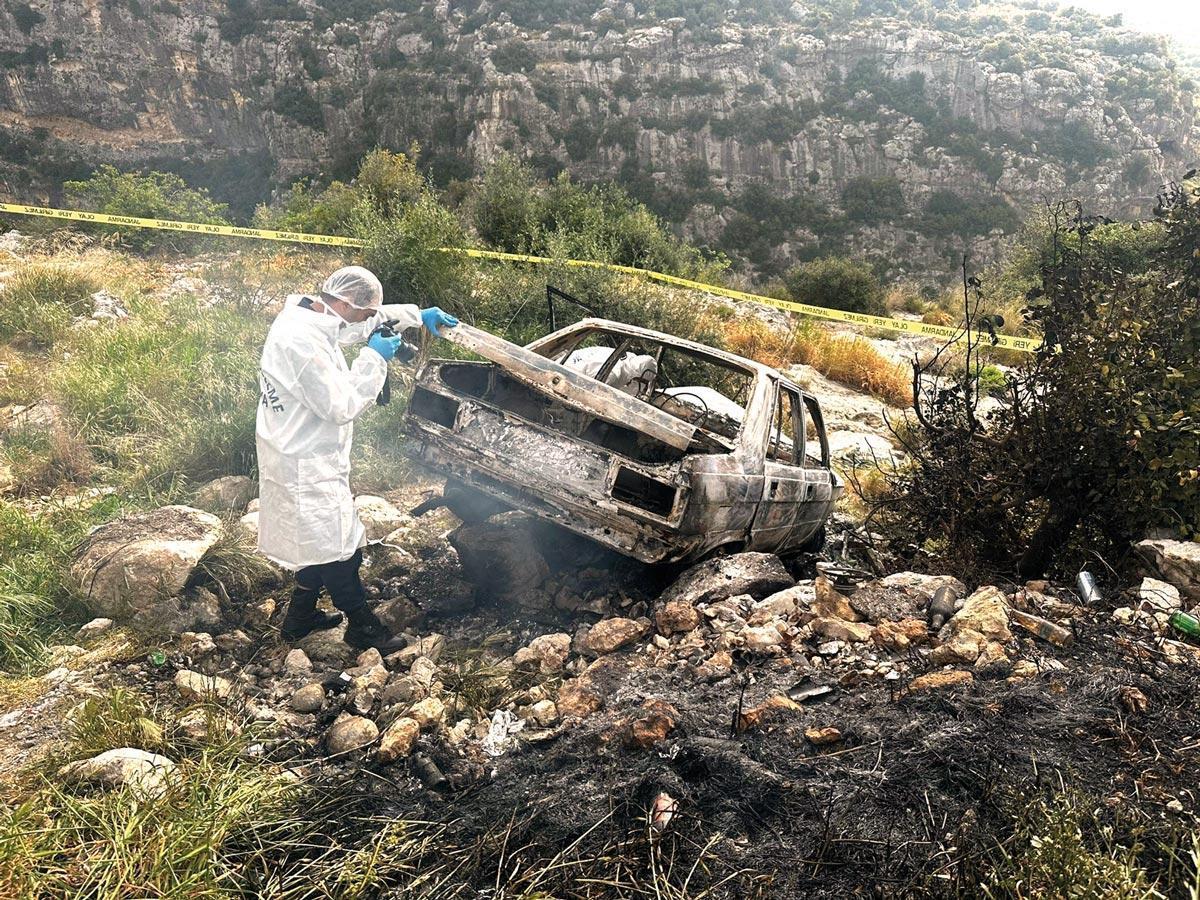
(350, 333)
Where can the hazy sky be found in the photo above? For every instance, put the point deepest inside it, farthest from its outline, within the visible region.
(1177, 18)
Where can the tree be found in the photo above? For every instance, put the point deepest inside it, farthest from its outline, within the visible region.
(873, 201)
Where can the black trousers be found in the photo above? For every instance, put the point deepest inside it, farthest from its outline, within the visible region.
(340, 579)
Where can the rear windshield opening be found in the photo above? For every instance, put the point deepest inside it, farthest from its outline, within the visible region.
(701, 390)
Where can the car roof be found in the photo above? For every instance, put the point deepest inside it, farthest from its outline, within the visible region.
(669, 339)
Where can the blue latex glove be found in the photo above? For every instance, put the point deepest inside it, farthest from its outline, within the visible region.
(384, 346)
(433, 319)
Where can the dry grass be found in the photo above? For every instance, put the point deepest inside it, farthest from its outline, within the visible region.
(852, 361)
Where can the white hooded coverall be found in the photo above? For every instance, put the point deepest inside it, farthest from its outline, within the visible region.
(309, 398)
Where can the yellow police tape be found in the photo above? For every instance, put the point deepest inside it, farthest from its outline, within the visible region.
(1007, 341)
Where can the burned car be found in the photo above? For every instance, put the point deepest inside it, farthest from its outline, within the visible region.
(663, 449)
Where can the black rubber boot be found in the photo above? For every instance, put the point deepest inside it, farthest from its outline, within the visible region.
(296, 627)
(366, 631)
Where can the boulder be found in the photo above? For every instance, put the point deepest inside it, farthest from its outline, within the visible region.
(900, 636)
(841, 630)
(428, 712)
(1156, 596)
(327, 646)
(609, 635)
(249, 526)
(830, 604)
(676, 616)
(789, 603)
(584, 695)
(761, 638)
(378, 516)
(144, 772)
(93, 629)
(772, 707)
(1177, 563)
(544, 713)
(402, 690)
(398, 739)
(756, 574)
(297, 662)
(196, 644)
(501, 556)
(547, 653)
(986, 612)
(821, 737)
(350, 733)
(134, 569)
(653, 723)
(229, 494)
(431, 645)
(963, 647)
(309, 698)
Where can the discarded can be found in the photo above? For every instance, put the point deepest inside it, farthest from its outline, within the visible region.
(1185, 623)
(1043, 628)
(1089, 594)
(941, 606)
(662, 811)
(426, 770)
(802, 692)
(157, 658)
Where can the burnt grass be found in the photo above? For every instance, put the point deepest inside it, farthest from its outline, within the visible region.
(920, 798)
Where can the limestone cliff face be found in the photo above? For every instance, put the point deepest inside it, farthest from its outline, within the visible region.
(1012, 107)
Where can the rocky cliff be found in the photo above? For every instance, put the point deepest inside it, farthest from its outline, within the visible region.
(771, 131)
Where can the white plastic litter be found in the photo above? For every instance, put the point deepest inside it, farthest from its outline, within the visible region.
(499, 738)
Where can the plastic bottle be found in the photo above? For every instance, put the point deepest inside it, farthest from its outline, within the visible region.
(1185, 623)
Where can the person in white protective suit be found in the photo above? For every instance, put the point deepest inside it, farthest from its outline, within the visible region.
(309, 398)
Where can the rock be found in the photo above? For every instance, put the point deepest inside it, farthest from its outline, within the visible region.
(233, 641)
(821, 737)
(1156, 596)
(986, 612)
(654, 722)
(1175, 562)
(717, 665)
(424, 670)
(402, 689)
(900, 636)
(578, 697)
(756, 574)
(203, 606)
(501, 556)
(841, 630)
(378, 516)
(93, 629)
(544, 713)
(197, 688)
(547, 653)
(762, 639)
(369, 658)
(963, 647)
(297, 662)
(196, 645)
(350, 733)
(146, 773)
(327, 646)
(133, 569)
(430, 645)
(676, 617)
(428, 712)
(993, 661)
(1134, 701)
(609, 635)
(229, 494)
(309, 698)
(203, 724)
(398, 739)
(786, 604)
(1024, 668)
(253, 506)
(940, 681)
(249, 526)
(830, 604)
(775, 704)
(922, 586)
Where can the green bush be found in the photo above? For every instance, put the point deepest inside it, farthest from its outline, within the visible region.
(836, 282)
(948, 214)
(514, 56)
(873, 201)
(156, 195)
(506, 208)
(39, 302)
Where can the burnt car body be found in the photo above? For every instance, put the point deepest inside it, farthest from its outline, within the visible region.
(663, 449)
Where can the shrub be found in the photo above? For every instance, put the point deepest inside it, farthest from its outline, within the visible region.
(157, 195)
(514, 56)
(38, 304)
(507, 206)
(946, 214)
(838, 283)
(873, 201)
(294, 102)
